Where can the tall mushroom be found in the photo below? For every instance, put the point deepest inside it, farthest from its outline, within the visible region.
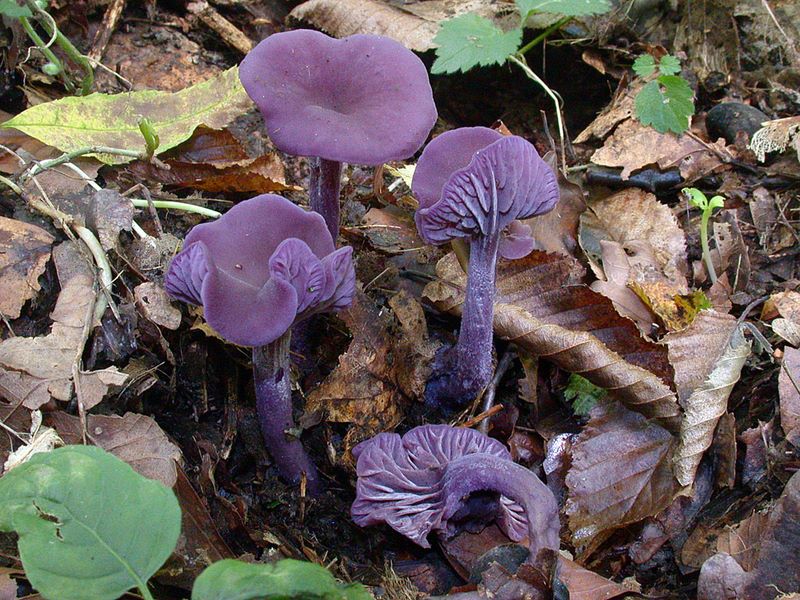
(422, 482)
(363, 99)
(504, 179)
(263, 266)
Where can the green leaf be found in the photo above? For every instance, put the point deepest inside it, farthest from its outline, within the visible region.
(583, 394)
(469, 41)
(696, 198)
(644, 65)
(78, 122)
(10, 8)
(666, 104)
(569, 8)
(284, 580)
(669, 65)
(89, 526)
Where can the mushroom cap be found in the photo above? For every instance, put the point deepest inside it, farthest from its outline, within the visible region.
(363, 99)
(263, 265)
(400, 480)
(503, 181)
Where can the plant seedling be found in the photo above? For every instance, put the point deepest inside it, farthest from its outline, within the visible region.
(363, 99)
(425, 482)
(698, 200)
(665, 103)
(504, 180)
(262, 267)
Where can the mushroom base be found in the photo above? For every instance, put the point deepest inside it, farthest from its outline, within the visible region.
(274, 406)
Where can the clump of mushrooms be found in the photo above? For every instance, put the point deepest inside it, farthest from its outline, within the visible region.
(263, 266)
(473, 183)
(423, 481)
(363, 99)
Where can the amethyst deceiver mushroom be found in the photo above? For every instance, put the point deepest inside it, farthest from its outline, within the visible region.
(473, 183)
(363, 99)
(424, 481)
(263, 266)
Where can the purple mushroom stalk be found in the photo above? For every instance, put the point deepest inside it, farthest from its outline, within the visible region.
(424, 481)
(263, 266)
(363, 99)
(472, 184)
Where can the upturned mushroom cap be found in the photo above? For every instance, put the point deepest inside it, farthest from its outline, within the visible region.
(363, 99)
(503, 181)
(263, 265)
(400, 480)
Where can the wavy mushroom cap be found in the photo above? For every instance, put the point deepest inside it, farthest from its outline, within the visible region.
(363, 99)
(400, 481)
(503, 181)
(263, 265)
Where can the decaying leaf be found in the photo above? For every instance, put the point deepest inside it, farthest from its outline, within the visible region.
(621, 473)
(40, 439)
(708, 401)
(634, 215)
(389, 230)
(789, 389)
(743, 541)
(540, 308)
(776, 136)
(136, 439)
(34, 370)
(633, 146)
(584, 584)
(786, 307)
(156, 305)
(107, 212)
(557, 231)
(341, 18)
(76, 122)
(24, 252)
(620, 109)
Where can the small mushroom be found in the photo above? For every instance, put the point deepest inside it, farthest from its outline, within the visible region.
(424, 482)
(504, 179)
(363, 99)
(263, 266)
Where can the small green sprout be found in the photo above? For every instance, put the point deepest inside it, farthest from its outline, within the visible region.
(698, 200)
(150, 136)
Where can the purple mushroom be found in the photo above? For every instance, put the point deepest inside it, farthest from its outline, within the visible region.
(471, 184)
(263, 266)
(424, 482)
(363, 99)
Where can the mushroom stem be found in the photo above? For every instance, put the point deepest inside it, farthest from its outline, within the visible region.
(274, 405)
(324, 186)
(488, 473)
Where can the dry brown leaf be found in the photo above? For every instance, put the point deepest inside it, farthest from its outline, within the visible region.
(414, 345)
(540, 308)
(584, 584)
(620, 109)
(634, 215)
(557, 231)
(105, 211)
(388, 230)
(778, 566)
(156, 306)
(785, 306)
(743, 541)
(789, 389)
(34, 370)
(633, 146)
(341, 18)
(136, 439)
(24, 252)
(721, 578)
(621, 473)
(712, 337)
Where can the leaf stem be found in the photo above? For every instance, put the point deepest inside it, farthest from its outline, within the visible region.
(69, 156)
(712, 274)
(542, 36)
(47, 52)
(184, 206)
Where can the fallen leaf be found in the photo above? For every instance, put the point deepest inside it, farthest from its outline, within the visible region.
(620, 109)
(621, 473)
(341, 18)
(136, 439)
(540, 308)
(413, 344)
(557, 231)
(34, 370)
(789, 389)
(40, 439)
(583, 584)
(778, 566)
(785, 306)
(156, 305)
(743, 540)
(106, 212)
(75, 122)
(721, 578)
(707, 402)
(388, 230)
(24, 252)
(633, 146)
(674, 310)
(756, 441)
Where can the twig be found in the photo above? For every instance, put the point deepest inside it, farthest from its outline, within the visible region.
(109, 24)
(489, 394)
(229, 33)
(481, 417)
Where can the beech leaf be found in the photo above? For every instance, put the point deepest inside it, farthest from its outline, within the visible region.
(789, 389)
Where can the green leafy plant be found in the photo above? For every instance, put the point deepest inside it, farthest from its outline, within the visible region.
(665, 103)
(583, 394)
(470, 41)
(698, 200)
(284, 580)
(89, 526)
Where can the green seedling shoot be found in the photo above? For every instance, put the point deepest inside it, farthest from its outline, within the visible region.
(151, 139)
(698, 200)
